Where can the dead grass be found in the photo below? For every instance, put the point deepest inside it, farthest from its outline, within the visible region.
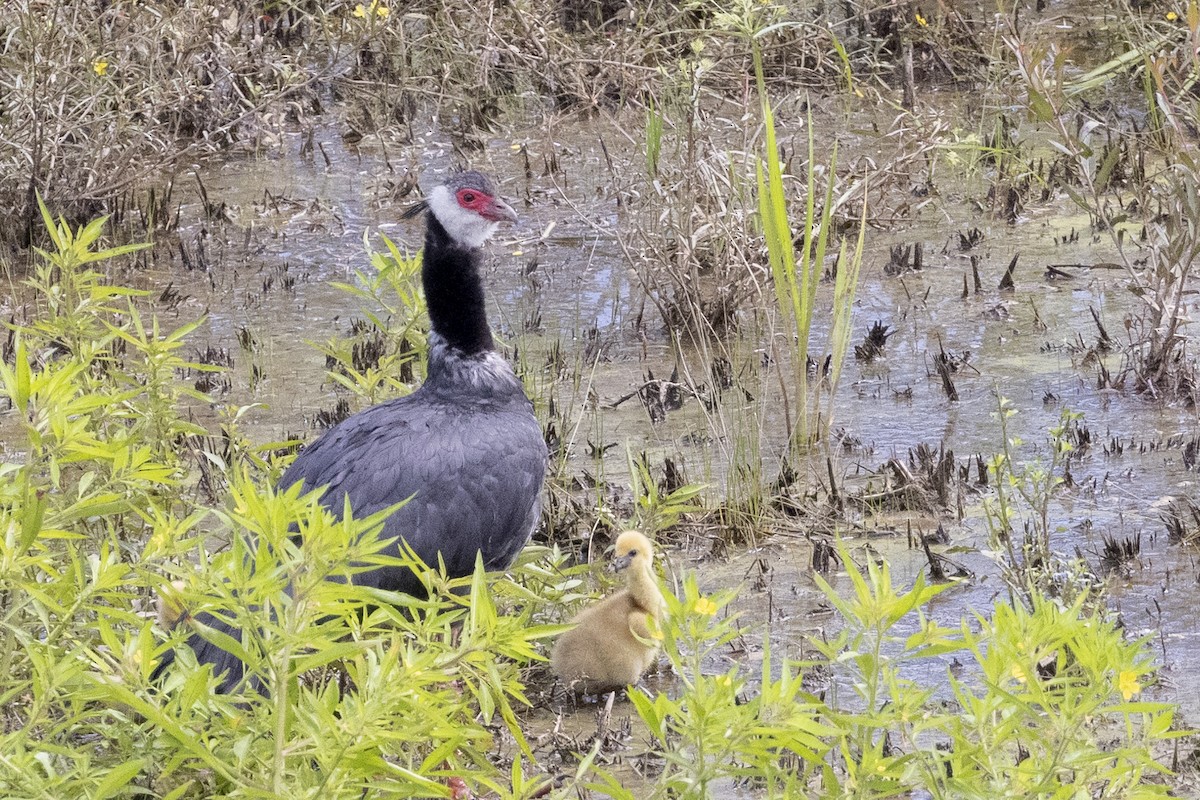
(102, 100)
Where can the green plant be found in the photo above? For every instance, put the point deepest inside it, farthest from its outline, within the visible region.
(368, 689)
(1054, 711)
(98, 399)
(1046, 704)
(415, 698)
(654, 510)
(714, 732)
(1018, 514)
(795, 283)
(878, 648)
(1044, 708)
(385, 355)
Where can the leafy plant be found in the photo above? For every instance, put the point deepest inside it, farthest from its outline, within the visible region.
(367, 688)
(1018, 514)
(655, 510)
(386, 354)
(879, 656)
(713, 733)
(1045, 705)
(795, 283)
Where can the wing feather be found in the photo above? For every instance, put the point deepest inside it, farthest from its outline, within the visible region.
(476, 475)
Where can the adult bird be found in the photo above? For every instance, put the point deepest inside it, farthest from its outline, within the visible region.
(465, 446)
(611, 644)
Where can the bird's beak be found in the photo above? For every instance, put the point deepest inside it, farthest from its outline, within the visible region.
(500, 211)
(622, 562)
(415, 210)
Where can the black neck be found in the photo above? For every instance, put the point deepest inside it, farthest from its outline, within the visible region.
(454, 291)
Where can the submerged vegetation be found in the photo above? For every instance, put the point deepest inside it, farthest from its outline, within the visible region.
(761, 160)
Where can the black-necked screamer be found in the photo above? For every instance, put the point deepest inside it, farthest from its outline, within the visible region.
(465, 446)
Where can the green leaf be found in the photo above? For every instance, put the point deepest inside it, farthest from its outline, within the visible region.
(118, 778)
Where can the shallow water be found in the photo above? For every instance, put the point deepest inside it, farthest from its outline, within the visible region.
(302, 218)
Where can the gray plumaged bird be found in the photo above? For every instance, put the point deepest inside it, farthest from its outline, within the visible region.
(611, 645)
(465, 445)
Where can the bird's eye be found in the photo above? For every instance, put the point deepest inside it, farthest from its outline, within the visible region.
(468, 197)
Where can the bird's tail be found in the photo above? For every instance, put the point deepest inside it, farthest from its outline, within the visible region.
(228, 667)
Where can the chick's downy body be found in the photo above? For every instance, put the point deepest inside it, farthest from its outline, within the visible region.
(611, 644)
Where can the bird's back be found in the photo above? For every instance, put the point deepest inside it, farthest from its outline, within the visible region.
(473, 464)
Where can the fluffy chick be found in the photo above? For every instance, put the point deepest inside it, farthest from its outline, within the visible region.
(607, 649)
(170, 605)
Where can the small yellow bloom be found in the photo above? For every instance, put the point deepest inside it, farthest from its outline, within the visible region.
(157, 541)
(377, 8)
(1172, 16)
(704, 607)
(724, 681)
(1127, 682)
(921, 20)
(100, 67)
(138, 657)
(1018, 672)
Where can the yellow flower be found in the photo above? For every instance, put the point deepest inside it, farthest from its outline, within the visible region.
(724, 681)
(1172, 16)
(921, 20)
(377, 8)
(1127, 682)
(704, 607)
(100, 67)
(1018, 672)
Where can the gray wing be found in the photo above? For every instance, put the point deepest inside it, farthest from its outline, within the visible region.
(474, 473)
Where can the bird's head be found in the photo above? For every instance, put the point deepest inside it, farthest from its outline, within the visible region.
(468, 208)
(632, 547)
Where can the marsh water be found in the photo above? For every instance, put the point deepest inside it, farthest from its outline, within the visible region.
(561, 280)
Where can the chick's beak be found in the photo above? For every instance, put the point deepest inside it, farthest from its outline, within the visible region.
(622, 562)
(500, 211)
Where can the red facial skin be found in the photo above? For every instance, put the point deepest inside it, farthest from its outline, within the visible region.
(481, 203)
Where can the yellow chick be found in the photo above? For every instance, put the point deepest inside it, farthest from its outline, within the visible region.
(170, 605)
(609, 646)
